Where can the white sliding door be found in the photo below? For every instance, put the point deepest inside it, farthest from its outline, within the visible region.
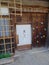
(24, 33)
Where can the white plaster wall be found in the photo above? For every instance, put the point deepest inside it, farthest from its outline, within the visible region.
(4, 11)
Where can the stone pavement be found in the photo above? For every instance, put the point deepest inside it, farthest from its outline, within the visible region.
(36, 56)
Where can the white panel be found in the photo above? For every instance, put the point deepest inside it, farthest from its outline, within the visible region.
(4, 11)
(24, 32)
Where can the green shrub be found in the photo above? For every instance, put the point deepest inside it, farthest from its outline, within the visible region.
(5, 55)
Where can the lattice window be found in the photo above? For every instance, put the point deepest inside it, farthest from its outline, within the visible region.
(8, 8)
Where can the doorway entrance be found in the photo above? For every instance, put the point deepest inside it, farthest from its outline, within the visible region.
(24, 34)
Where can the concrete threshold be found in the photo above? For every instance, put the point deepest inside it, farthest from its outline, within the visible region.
(6, 60)
(35, 50)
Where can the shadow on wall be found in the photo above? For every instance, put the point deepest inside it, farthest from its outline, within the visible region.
(47, 41)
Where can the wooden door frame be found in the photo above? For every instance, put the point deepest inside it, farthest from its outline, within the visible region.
(31, 34)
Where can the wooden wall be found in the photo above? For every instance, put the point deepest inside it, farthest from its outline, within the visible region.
(39, 23)
(39, 26)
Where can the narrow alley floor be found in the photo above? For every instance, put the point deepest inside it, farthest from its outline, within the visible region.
(36, 56)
